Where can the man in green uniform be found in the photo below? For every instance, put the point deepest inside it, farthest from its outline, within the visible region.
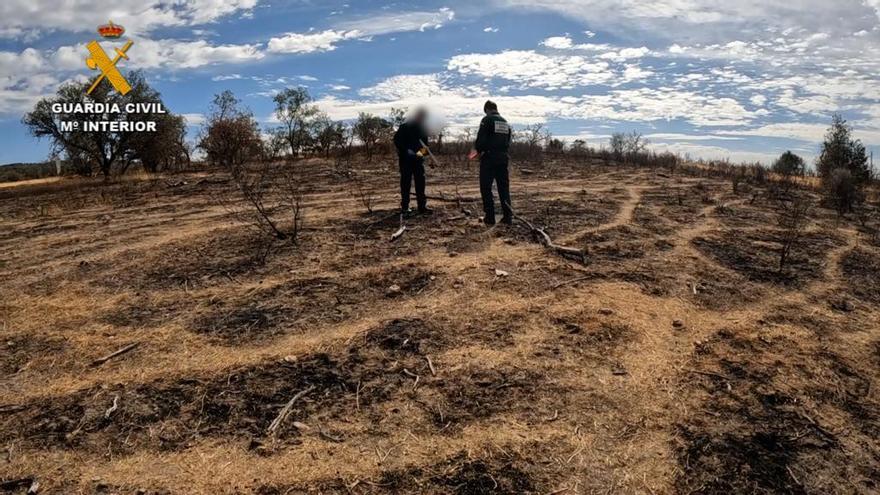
(493, 144)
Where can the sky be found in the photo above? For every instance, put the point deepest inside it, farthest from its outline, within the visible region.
(738, 79)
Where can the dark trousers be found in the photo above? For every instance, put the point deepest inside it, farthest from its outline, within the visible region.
(494, 169)
(412, 168)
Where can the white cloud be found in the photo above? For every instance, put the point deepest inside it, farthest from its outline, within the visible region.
(714, 152)
(490, 29)
(758, 100)
(194, 119)
(532, 69)
(674, 136)
(324, 41)
(321, 41)
(31, 74)
(399, 23)
(138, 16)
(459, 107)
(812, 133)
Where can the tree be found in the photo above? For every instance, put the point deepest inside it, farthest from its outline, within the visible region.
(397, 116)
(534, 136)
(293, 110)
(164, 149)
(87, 149)
(842, 190)
(231, 135)
(788, 164)
(327, 135)
(618, 145)
(840, 150)
(372, 130)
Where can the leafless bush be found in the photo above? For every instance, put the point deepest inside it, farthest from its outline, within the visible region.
(270, 199)
(792, 217)
(365, 193)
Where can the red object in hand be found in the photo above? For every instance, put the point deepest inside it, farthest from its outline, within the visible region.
(472, 155)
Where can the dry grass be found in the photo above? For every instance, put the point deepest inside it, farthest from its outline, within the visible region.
(674, 361)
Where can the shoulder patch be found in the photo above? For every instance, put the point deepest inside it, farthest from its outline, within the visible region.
(501, 127)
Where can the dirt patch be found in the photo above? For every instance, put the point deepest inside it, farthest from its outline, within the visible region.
(594, 336)
(167, 414)
(755, 255)
(238, 403)
(794, 315)
(477, 393)
(763, 424)
(19, 351)
(408, 336)
(459, 474)
(245, 324)
(562, 217)
(211, 259)
(717, 289)
(143, 313)
(861, 269)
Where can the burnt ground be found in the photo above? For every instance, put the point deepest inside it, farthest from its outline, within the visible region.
(678, 359)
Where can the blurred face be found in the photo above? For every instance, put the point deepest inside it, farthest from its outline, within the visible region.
(420, 116)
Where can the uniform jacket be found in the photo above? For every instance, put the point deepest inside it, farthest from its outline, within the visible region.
(494, 135)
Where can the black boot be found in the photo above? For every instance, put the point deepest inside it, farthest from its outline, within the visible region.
(424, 210)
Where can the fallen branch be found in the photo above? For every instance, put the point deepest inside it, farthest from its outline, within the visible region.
(545, 240)
(285, 411)
(400, 231)
(112, 408)
(573, 281)
(128, 348)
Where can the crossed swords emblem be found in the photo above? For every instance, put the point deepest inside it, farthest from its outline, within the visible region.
(100, 60)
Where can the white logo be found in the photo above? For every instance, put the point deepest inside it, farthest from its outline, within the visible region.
(501, 128)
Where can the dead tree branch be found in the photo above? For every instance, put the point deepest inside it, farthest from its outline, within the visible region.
(545, 240)
(102, 360)
(285, 411)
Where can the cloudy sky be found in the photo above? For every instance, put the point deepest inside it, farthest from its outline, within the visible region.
(745, 79)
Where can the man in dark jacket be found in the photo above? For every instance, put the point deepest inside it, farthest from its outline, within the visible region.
(409, 140)
(493, 143)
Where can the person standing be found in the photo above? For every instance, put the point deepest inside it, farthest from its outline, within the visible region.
(411, 140)
(492, 145)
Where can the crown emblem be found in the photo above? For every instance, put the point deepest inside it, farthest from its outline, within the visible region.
(111, 30)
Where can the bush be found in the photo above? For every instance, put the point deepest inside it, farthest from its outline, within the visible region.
(231, 136)
(842, 190)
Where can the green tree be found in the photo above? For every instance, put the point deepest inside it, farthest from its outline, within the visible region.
(294, 111)
(372, 131)
(101, 149)
(164, 149)
(840, 150)
(327, 134)
(788, 164)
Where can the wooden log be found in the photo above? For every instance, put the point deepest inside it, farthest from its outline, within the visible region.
(117, 353)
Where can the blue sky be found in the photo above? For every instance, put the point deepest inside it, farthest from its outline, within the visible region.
(744, 79)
